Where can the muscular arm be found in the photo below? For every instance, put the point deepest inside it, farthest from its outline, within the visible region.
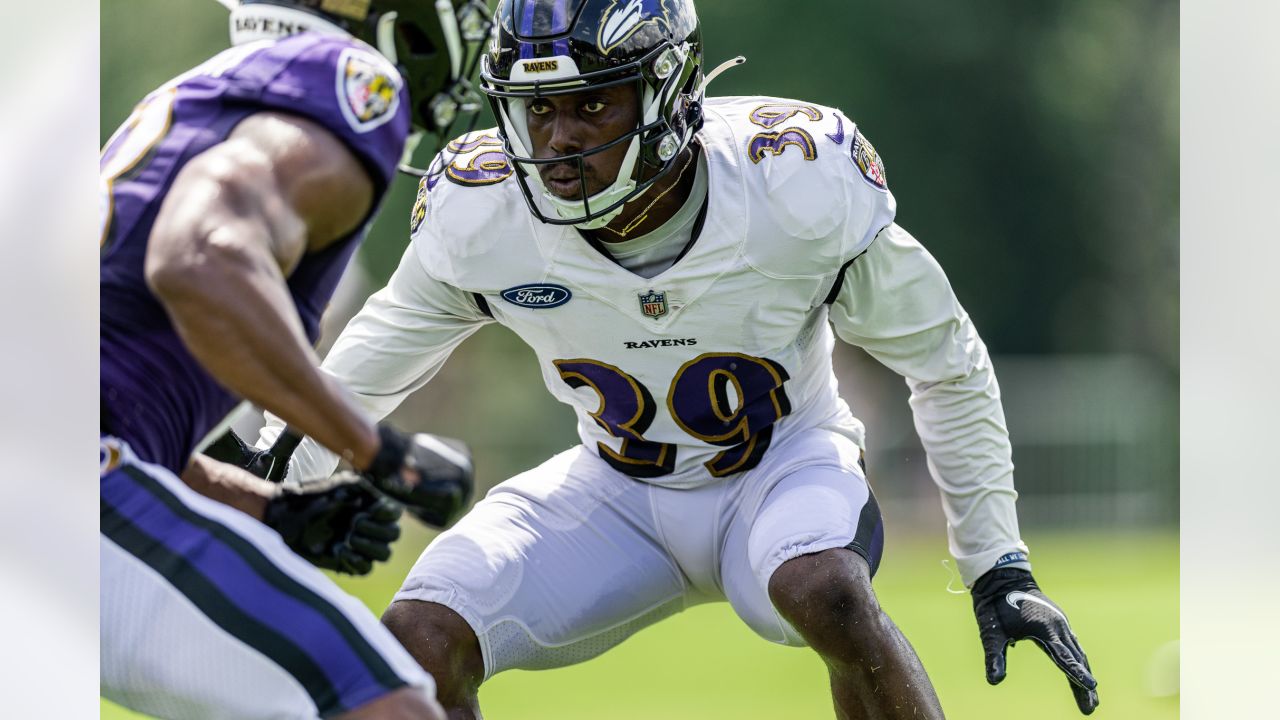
(897, 304)
(235, 224)
(229, 485)
(393, 346)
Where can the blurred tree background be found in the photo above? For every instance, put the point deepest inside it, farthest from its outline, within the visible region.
(1032, 147)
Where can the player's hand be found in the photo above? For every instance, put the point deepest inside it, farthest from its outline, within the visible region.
(342, 523)
(433, 479)
(272, 463)
(1010, 607)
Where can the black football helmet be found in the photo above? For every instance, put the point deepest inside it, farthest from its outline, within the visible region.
(436, 44)
(558, 47)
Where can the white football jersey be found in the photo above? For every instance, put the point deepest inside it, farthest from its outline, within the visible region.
(691, 375)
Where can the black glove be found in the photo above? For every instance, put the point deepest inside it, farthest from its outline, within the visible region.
(272, 464)
(1010, 607)
(342, 523)
(433, 479)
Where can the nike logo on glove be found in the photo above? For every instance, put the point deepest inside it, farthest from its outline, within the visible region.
(1016, 597)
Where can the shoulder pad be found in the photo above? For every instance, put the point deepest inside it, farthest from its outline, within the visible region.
(369, 90)
(475, 159)
(340, 83)
(804, 185)
(463, 206)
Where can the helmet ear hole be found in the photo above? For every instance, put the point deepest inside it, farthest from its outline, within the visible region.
(415, 40)
(424, 111)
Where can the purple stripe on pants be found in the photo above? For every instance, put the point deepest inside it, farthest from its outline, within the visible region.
(245, 588)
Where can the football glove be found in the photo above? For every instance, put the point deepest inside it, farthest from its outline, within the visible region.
(1010, 607)
(434, 480)
(272, 463)
(342, 523)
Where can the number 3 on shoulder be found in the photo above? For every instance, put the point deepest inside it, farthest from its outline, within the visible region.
(777, 141)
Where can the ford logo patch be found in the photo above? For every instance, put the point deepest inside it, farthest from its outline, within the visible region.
(537, 295)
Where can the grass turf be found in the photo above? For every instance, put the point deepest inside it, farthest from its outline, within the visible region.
(1121, 592)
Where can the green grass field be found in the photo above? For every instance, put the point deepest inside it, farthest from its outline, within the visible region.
(1120, 590)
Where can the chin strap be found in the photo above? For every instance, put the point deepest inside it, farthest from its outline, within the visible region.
(605, 219)
(726, 65)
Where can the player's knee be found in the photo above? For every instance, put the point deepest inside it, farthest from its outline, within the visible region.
(827, 594)
(442, 642)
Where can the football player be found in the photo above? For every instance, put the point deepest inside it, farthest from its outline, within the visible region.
(232, 199)
(688, 265)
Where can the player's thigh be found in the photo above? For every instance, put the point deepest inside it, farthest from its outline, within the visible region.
(808, 510)
(553, 566)
(206, 613)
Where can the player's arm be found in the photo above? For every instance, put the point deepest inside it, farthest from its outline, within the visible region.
(896, 303)
(235, 224)
(393, 346)
(343, 524)
(230, 485)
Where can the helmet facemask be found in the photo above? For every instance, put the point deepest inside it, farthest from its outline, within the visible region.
(664, 70)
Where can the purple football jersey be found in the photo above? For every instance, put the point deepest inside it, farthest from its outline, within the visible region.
(154, 394)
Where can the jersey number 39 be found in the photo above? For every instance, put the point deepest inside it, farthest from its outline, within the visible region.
(729, 400)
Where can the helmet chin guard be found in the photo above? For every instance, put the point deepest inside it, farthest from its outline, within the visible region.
(544, 48)
(611, 200)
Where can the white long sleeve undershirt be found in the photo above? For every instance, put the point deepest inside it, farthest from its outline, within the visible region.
(897, 304)
(392, 347)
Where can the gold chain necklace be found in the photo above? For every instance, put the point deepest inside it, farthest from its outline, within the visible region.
(644, 214)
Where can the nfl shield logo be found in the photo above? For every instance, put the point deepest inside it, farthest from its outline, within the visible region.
(653, 304)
